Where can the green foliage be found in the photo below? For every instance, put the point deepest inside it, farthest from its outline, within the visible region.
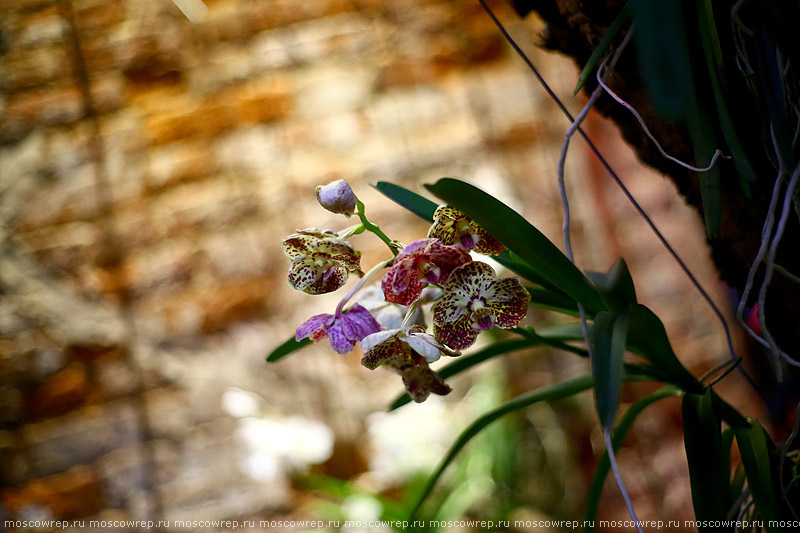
(609, 336)
(709, 471)
(754, 446)
(617, 324)
(291, 345)
(521, 238)
(624, 426)
(622, 20)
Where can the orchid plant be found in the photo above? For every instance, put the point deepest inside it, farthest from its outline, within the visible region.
(444, 276)
(472, 298)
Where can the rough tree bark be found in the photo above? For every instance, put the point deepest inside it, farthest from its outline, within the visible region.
(575, 27)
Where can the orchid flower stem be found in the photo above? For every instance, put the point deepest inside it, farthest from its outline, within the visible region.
(372, 228)
(363, 281)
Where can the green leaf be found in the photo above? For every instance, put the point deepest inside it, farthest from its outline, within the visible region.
(545, 394)
(465, 362)
(623, 19)
(663, 52)
(609, 335)
(716, 73)
(709, 472)
(615, 286)
(768, 74)
(704, 142)
(753, 448)
(510, 228)
(550, 340)
(291, 345)
(625, 424)
(547, 299)
(647, 337)
(516, 265)
(417, 204)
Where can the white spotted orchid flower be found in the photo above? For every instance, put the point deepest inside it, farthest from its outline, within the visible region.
(451, 226)
(408, 351)
(475, 300)
(321, 260)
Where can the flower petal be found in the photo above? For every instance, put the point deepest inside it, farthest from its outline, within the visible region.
(421, 381)
(303, 273)
(430, 352)
(391, 316)
(298, 245)
(357, 323)
(449, 308)
(341, 252)
(370, 341)
(413, 249)
(339, 341)
(471, 279)
(509, 302)
(389, 353)
(334, 277)
(401, 285)
(458, 334)
(312, 325)
(486, 244)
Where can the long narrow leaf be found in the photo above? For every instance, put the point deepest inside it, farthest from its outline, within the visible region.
(516, 265)
(417, 204)
(547, 299)
(716, 70)
(753, 448)
(625, 424)
(545, 394)
(663, 52)
(615, 286)
(647, 336)
(291, 345)
(709, 471)
(622, 20)
(510, 228)
(610, 332)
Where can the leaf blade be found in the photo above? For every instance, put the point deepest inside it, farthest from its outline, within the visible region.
(291, 345)
(521, 237)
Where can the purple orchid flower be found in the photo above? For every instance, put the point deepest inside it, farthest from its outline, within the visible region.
(344, 329)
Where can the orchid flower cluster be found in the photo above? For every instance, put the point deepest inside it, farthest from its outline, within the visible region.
(466, 294)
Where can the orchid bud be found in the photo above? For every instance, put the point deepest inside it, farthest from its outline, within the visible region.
(337, 197)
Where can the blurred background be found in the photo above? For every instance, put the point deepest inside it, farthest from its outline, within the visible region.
(153, 154)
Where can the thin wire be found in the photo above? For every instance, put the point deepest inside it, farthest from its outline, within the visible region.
(628, 195)
(615, 469)
(562, 188)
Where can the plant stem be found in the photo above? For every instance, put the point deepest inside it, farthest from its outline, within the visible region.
(372, 228)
